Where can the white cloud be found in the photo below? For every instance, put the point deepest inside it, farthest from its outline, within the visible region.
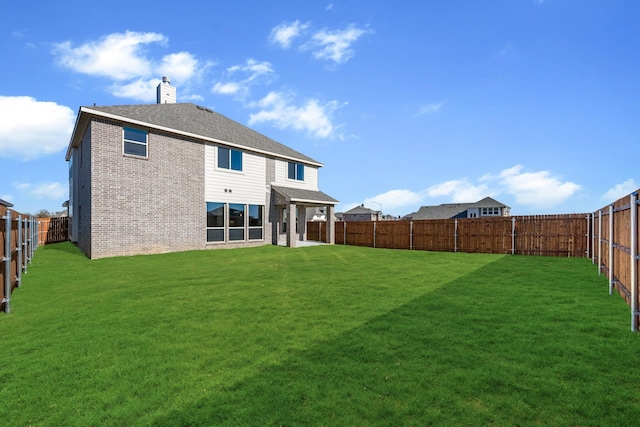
(392, 200)
(430, 108)
(118, 56)
(179, 66)
(230, 88)
(122, 58)
(284, 33)
(311, 116)
(335, 45)
(536, 189)
(459, 191)
(30, 129)
(620, 190)
(250, 74)
(142, 90)
(51, 190)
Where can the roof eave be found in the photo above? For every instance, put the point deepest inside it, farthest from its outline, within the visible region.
(182, 133)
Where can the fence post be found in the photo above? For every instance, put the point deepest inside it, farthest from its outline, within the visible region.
(19, 249)
(588, 253)
(513, 236)
(600, 242)
(593, 238)
(455, 236)
(610, 249)
(344, 231)
(374, 233)
(7, 263)
(634, 261)
(411, 235)
(25, 244)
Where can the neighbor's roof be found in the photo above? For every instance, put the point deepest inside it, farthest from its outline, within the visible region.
(305, 196)
(6, 204)
(449, 210)
(189, 120)
(360, 210)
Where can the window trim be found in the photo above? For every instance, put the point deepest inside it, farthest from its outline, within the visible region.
(126, 141)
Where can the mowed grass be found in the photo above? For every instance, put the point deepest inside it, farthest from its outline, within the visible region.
(326, 335)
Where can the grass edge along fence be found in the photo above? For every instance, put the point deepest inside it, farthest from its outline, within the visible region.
(615, 235)
(19, 238)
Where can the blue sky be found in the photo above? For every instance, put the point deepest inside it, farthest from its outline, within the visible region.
(406, 103)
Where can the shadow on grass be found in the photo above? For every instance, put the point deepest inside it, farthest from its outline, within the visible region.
(68, 248)
(506, 345)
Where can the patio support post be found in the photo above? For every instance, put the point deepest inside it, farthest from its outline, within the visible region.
(291, 230)
(301, 214)
(331, 225)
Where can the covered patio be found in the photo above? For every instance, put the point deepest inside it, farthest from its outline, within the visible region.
(288, 214)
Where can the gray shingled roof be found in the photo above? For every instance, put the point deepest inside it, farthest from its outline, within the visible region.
(360, 210)
(449, 210)
(188, 118)
(301, 195)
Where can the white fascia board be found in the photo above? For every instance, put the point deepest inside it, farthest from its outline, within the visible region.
(75, 129)
(317, 202)
(191, 135)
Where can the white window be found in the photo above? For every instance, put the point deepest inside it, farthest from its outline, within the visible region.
(490, 211)
(134, 142)
(229, 222)
(229, 159)
(296, 171)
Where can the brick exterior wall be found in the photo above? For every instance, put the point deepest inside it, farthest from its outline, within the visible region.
(82, 191)
(144, 206)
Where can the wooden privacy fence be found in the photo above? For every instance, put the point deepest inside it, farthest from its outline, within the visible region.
(552, 235)
(615, 237)
(53, 230)
(19, 238)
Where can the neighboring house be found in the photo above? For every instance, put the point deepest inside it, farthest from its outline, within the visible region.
(360, 213)
(486, 207)
(172, 176)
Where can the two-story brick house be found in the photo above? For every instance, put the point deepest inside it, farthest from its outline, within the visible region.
(172, 176)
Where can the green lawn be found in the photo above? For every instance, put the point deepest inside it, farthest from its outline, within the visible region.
(322, 336)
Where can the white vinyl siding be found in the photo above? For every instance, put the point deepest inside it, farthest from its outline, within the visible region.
(310, 176)
(229, 186)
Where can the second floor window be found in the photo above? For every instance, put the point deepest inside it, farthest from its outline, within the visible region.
(135, 142)
(229, 159)
(296, 171)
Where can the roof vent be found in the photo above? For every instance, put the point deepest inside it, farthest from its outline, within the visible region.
(166, 94)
